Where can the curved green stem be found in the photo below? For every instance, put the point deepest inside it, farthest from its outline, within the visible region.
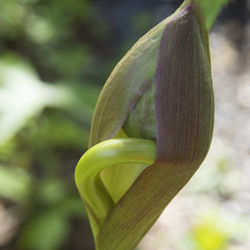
(98, 158)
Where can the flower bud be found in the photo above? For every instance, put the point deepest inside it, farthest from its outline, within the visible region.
(177, 108)
(161, 90)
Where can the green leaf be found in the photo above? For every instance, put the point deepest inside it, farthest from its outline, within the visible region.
(45, 232)
(15, 184)
(211, 9)
(23, 96)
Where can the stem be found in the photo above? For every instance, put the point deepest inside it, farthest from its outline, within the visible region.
(99, 157)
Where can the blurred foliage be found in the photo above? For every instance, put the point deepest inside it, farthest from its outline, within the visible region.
(15, 184)
(55, 56)
(50, 78)
(208, 235)
(216, 230)
(31, 96)
(36, 141)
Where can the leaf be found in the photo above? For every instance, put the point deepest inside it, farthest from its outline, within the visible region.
(23, 96)
(136, 68)
(211, 9)
(15, 184)
(45, 232)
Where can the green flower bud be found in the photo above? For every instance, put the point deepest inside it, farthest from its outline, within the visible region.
(160, 91)
(177, 108)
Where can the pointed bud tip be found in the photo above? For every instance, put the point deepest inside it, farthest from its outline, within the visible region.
(191, 6)
(195, 7)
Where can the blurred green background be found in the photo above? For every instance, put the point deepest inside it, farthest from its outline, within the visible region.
(55, 56)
